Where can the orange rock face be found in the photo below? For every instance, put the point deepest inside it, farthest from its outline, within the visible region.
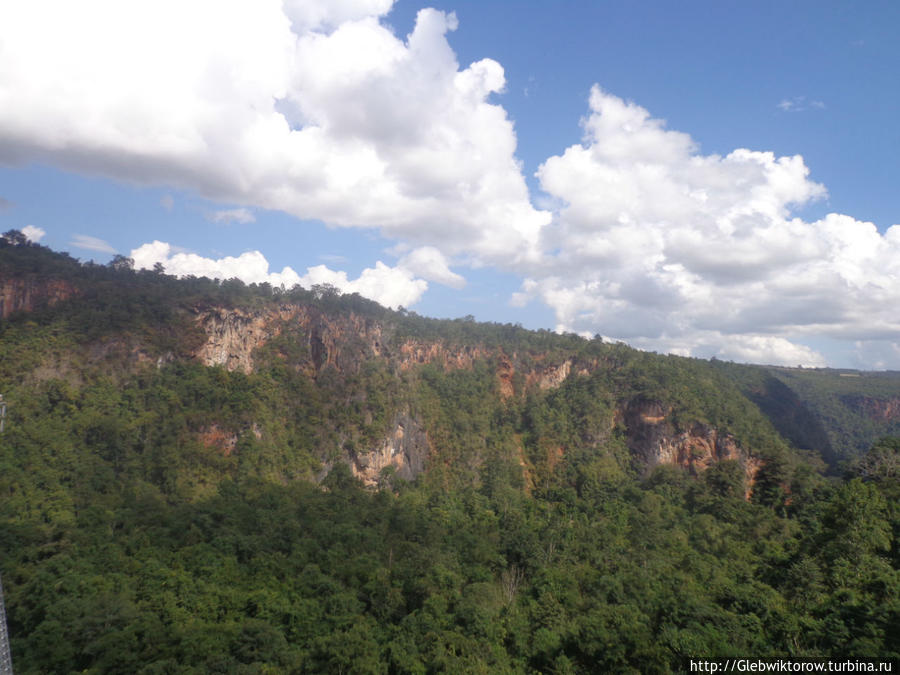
(653, 439)
(25, 295)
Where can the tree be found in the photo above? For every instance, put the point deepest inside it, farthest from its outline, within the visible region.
(14, 238)
(856, 530)
(121, 263)
(325, 291)
(881, 462)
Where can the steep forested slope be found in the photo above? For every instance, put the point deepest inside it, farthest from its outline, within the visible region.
(836, 413)
(211, 477)
(854, 407)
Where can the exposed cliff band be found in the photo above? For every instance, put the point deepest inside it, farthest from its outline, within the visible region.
(344, 342)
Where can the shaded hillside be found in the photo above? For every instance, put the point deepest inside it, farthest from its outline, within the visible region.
(789, 413)
(215, 477)
(838, 414)
(855, 408)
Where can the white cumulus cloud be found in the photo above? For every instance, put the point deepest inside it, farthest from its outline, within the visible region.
(674, 250)
(324, 16)
(312, 107)
(429, 263)
(250, 267)
(390, 286)
(33, 233)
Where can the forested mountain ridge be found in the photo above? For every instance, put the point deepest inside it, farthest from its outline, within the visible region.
(317, 331)
(324, 340)
(176, 434)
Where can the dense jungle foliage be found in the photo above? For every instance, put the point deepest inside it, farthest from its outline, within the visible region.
(536, 541)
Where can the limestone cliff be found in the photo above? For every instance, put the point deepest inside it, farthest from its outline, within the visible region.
(376, 389)
(29, 294)
(405, 449)
(234, 334)
(345, 342)
(550, 376)
(875, 409)
(654, 440)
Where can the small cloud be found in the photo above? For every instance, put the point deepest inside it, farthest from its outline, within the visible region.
(34, 234)
(328, 257)
(89, 243)
(786, 105)
(167, 202)
(429, 263)
(5, 204)
(389, 286)
(242, 216)
(799, 104)
(769, 349)
(530, 87)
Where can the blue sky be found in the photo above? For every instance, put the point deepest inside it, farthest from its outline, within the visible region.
(702, 178)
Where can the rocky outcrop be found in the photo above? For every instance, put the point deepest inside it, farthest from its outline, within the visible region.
(345, 343)
(233, 335)
(27, 295)
(416, 353)
(216, 437)
(876, 409)
(405, 449)
(551, 377)
(698, 449)
(505, 374)
(653, 440)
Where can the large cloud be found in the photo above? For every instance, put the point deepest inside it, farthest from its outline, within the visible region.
(311, 107)
(391, 286)
(316, 108)
(674, 250)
